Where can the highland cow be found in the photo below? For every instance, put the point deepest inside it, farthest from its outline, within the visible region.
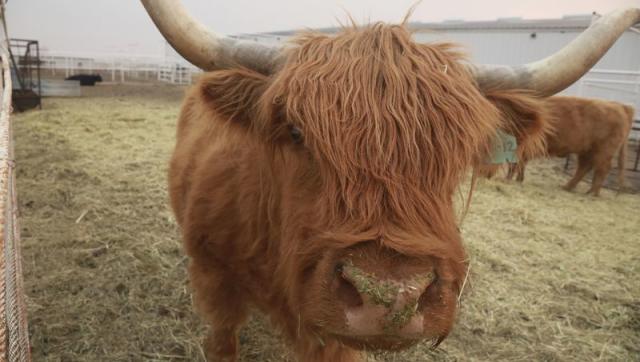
(595, 130)
(315, 182)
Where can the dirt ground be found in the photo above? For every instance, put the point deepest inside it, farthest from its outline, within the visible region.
(554, 275)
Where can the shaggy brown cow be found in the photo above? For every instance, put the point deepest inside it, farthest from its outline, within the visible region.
(595, 130)
(323, 195)
(316, 182)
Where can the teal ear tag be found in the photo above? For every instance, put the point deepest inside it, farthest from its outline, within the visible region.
(504, 149)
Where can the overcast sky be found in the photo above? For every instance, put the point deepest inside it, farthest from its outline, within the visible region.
(118, 26)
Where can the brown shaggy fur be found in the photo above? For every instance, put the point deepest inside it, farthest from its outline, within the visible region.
(389, 129)
(593, 129)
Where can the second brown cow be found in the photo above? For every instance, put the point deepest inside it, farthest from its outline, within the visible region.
(595, 130)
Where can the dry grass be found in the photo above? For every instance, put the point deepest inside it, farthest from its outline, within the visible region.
(554, 275)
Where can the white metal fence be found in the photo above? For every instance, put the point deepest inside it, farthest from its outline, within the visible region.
(119, 69)
(175, 74)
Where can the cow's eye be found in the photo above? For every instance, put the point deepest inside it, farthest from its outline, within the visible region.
(296, 134)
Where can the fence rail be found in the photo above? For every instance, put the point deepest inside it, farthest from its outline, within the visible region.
(120, 69)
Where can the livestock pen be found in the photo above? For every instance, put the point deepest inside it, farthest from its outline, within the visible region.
(553, 275)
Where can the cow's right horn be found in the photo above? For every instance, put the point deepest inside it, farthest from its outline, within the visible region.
(203, 48)
(558, 71)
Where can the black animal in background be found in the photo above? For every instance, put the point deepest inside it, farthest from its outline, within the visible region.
(86, 79)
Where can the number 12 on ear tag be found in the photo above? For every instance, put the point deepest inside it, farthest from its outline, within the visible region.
(504, 148)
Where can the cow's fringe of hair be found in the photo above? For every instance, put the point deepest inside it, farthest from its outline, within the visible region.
(395, 144)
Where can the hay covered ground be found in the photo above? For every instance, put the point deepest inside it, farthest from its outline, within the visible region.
(554, 275)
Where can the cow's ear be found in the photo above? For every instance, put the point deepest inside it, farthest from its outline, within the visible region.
(524, 116)
(232, 94)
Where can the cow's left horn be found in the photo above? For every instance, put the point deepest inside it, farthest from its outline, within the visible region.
(203, 48)
(558, 71)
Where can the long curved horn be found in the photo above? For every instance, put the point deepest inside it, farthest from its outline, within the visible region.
(203, 48)
(558, 71)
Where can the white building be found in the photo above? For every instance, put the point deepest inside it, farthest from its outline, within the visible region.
(512, 41)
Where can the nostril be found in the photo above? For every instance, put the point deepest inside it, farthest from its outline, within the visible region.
(429, 295)
(346, 292)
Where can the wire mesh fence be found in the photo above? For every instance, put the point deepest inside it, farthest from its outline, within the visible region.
(13, 321)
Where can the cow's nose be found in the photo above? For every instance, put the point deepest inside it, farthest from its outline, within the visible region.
(376, 306)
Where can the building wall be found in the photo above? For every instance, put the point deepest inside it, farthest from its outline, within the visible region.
(517, 47)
